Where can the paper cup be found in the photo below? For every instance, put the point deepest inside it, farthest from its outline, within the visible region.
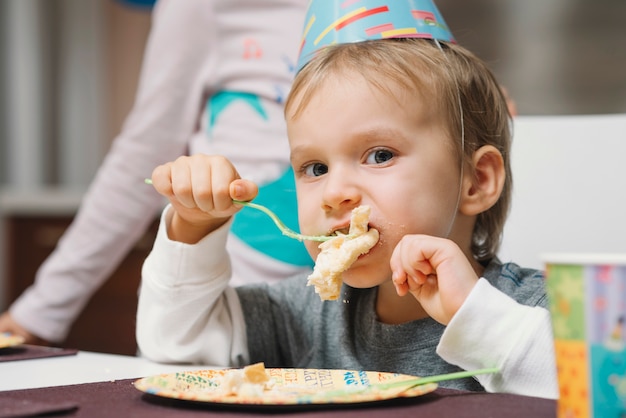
(587, 299)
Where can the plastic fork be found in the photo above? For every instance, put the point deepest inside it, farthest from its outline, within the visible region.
(281, 226)
(401, 386)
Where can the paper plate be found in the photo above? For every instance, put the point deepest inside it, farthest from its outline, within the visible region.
(289, 387)
(9, 340)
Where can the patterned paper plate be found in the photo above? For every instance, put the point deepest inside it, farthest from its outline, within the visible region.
(9, 340)
(290, 387)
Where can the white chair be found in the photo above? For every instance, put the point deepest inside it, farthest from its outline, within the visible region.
(569, 187)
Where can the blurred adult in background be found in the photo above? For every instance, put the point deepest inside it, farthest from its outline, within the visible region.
(214, 77)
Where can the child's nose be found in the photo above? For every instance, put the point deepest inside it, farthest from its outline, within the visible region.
(341, 191)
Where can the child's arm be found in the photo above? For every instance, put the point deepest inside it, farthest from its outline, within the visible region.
(485, 327)
(187, 312)
(493, 330)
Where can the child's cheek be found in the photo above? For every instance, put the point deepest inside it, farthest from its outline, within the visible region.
(312, 248)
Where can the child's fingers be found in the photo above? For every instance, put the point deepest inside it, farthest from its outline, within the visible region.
(200, 182)
(409, 257)
(399, 279)
(161, 180)
(211, 183)
(244, 190)
(181, 184)
(409, 270)
(436, 272)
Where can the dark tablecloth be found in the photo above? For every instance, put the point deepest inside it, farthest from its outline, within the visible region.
(121, 399)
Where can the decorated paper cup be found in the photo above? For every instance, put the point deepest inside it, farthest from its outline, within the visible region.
(587, 297)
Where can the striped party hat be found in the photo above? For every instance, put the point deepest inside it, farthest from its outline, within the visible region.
(330, 22)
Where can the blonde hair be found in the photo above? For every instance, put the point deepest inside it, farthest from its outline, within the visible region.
(460, 87)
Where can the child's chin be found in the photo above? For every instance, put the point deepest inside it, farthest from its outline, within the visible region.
(363, 278)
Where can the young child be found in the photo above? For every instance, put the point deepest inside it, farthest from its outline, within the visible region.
(419, 131)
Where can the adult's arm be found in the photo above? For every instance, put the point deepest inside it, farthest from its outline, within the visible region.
(118, 206)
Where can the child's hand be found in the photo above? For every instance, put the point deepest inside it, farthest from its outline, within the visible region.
(435, 271)
(201, 189)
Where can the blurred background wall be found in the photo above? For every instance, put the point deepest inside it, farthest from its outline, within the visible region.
(68, 72)
(554, 56)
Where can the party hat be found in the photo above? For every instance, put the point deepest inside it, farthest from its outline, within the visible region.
(330, 22)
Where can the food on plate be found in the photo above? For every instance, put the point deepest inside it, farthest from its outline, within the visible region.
(340, 252)
(8, 339)
(250, 381)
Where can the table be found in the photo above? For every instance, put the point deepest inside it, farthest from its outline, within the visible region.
(84, 367)
(101, 385)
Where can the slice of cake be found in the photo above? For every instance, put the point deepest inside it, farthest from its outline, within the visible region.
(250, 381)
(340, 252)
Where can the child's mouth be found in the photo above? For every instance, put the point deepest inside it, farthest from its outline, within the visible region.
(340, 231)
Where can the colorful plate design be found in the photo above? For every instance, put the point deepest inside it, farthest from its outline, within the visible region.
(9, 340)
(290, 387)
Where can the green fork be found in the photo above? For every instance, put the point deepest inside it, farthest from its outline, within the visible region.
(283, 228)
(401, 386)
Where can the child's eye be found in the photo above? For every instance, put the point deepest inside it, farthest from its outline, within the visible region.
(315, 169)
(379, 156)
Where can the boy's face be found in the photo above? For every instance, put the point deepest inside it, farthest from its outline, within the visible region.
(355, 145)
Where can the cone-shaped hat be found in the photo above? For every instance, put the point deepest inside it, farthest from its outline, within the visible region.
(330, 22)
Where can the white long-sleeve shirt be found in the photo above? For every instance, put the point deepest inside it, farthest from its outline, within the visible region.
(188, 312)
(214, 77)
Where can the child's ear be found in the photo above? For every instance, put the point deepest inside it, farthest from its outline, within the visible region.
(482, 188)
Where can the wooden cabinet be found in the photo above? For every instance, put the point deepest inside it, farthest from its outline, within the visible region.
(107, 324)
